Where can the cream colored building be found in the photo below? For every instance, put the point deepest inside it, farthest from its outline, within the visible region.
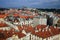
(43, 21)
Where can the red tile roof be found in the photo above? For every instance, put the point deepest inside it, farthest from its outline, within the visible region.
(24, 16)
(40, 27)
(20, 35)
(15, 14)
(3, 25)
(28, 28)
(11, 32)
(20, 28)
(44, 34)
(54, 30)
(4, 15)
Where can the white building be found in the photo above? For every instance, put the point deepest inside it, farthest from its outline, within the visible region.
(43, 21)
(25, 22)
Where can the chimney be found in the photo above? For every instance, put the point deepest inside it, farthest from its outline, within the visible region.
(39, 29)
(32, 25)
(23, 31)
(35, 28)
(55, 27)
(43, 30)
(47, 28)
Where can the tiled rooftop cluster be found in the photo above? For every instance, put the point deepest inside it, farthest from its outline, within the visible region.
(22, 14)
(42, 31)
(25, 30)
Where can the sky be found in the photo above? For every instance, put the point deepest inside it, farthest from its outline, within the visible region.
(30, 3)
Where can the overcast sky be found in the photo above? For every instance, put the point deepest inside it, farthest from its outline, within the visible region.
(30, 3)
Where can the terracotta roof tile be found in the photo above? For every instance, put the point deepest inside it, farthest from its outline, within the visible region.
(40, 26)
(30, 29)
(20, 35)
(3, 25)
(20, 28)
(16, 14)
(44, 34)
(2, 16)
